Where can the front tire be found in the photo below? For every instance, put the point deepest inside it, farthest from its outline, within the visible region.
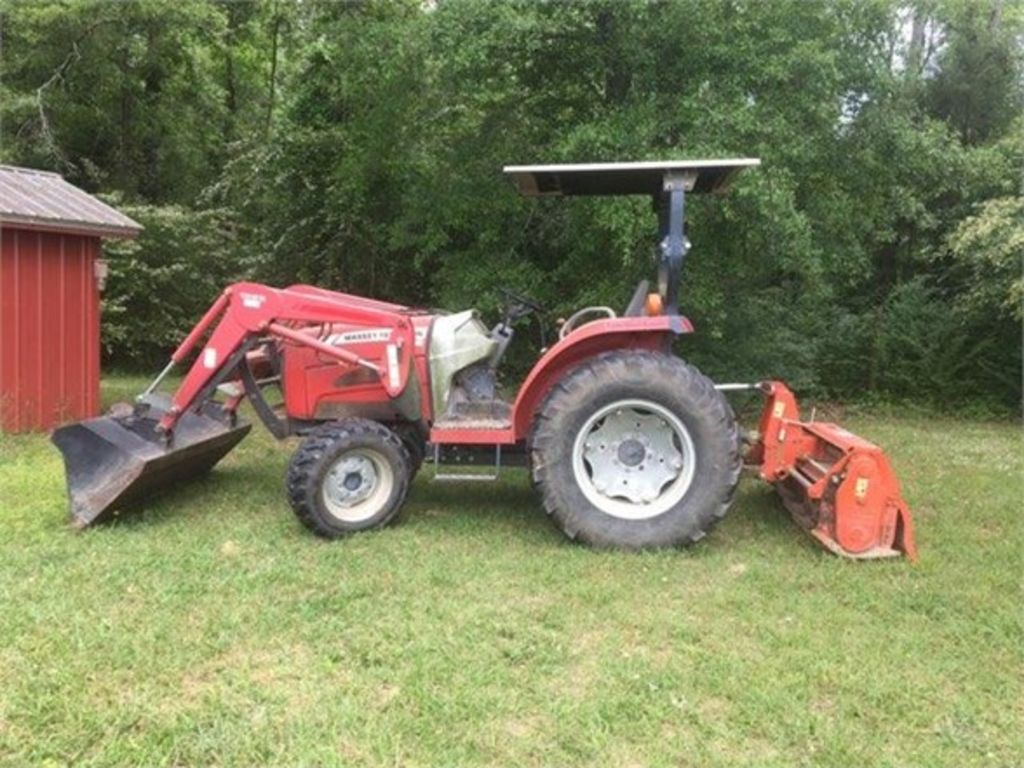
(635, 450)
(347, 476)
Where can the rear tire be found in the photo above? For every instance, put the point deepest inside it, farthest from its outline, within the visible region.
(347, 476)
(635, 450)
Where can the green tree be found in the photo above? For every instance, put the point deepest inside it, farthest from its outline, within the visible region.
(358, 145)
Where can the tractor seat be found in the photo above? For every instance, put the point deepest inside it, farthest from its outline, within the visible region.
(635, 308)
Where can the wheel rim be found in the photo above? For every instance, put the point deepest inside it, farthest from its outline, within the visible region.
(633, 459)
(357, 485)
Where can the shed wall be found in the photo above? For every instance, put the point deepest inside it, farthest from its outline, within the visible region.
(49, 329)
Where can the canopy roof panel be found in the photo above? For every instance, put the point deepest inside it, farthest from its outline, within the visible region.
(640, 178)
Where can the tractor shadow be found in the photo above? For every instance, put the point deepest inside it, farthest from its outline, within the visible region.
(510, 507)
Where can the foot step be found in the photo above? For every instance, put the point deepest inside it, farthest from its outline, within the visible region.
(467, 476)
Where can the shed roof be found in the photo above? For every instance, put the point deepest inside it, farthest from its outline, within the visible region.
(43, 200)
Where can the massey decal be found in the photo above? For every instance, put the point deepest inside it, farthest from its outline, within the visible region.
(365, 336)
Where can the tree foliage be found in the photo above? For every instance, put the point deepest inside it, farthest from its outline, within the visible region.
(989, 246)
(358, 145)
(160, 284)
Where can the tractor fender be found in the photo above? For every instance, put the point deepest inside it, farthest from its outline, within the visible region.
(653, 333)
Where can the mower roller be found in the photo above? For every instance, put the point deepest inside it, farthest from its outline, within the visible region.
(629, 446)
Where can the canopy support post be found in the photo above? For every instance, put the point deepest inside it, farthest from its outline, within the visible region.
(672, 244)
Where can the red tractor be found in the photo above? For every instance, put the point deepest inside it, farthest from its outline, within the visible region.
(628, 445)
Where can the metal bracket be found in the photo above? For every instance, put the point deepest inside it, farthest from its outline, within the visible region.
(278, 427)
(226, 369)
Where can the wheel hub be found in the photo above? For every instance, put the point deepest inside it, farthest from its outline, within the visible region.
(631, 452)
(634, 459)
(350, 481)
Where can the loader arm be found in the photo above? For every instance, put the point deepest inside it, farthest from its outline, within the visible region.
(121, 459)
(246, 312)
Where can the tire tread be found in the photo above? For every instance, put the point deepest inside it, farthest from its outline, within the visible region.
(301, 480)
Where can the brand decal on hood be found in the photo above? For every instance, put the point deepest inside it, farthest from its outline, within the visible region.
(362, 336)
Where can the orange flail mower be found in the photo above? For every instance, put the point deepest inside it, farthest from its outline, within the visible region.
(629, 446)
(837, 486)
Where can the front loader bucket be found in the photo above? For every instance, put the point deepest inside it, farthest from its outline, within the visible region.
(116, 461)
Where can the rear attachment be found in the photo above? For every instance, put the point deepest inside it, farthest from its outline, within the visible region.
(120, 459)
(837, 486)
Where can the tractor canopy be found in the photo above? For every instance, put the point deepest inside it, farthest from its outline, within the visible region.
(639, 178)
(666, 181)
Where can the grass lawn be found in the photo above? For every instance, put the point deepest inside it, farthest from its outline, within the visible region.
(212, 629)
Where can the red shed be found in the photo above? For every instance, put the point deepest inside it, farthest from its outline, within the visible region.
(50, 280)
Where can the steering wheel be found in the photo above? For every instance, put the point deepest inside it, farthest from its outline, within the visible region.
(570, 325)
(525, 301)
